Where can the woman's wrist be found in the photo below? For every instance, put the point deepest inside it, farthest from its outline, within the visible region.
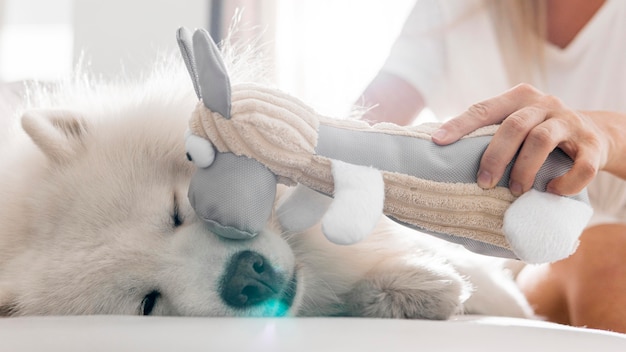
(612, 125)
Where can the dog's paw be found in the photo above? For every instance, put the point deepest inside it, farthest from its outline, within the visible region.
(397, 289)
(495, 290)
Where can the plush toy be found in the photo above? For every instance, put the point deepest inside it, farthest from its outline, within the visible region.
(246, 138)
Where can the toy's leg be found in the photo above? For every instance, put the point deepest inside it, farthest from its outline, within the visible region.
(302, 209)
(357, 205)
(542, 227)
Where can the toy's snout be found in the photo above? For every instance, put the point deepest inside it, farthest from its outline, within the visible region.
(234, 195)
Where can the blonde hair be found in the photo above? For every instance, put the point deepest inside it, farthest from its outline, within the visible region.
(520, 27)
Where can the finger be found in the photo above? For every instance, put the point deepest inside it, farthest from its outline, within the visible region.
(478, 115)
(488, 112)
(538, 145)
(506, 143)
(585, 168)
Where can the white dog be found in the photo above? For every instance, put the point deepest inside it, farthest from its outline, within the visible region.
(94, 219)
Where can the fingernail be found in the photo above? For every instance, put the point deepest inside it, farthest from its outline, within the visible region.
(439, 134)
(516, 188)
(484, 179)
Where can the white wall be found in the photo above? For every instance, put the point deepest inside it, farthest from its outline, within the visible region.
(42, 39)
(324, 51)
(128, 34)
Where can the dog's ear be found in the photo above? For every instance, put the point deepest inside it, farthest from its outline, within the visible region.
(58, 133)
(8, 306)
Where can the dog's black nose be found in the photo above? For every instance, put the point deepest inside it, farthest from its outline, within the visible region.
(250, 280)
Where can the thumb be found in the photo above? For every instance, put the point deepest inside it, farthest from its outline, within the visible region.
(575, 180)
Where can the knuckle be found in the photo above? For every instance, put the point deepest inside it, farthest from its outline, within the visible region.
(526, 89)
(516, 123)
(454, 124)
(479, 111)
(586, 169)
(541, 136)
(593, 140)
(552, 102)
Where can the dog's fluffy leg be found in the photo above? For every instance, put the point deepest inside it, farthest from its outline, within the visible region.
(410, 288)
(494, 289)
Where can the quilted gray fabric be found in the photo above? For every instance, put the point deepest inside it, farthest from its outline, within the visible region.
(234, 196)
(456, 163)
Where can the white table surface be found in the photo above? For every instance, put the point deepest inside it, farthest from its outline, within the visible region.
(126, 333)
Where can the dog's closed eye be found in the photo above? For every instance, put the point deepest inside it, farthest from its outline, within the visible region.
(149, 302)
(177, 219)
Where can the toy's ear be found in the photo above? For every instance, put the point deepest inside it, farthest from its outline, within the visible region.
(207, 70)
(185, 44)
(58, 133)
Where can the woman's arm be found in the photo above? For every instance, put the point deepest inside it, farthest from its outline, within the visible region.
(390, 98)
(535, 123)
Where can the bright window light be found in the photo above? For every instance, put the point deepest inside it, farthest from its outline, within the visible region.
(327, 51)
(35, 52)
(36, 39)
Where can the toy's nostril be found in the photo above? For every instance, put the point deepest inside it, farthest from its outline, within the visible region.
(189, 157)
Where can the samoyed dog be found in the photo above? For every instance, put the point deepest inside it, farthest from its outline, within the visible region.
(95, 219)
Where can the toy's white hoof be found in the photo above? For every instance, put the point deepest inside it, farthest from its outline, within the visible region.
(357, 205)
(542, 227)
(302, 209)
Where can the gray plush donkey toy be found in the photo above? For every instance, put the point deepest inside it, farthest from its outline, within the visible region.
(246, 138)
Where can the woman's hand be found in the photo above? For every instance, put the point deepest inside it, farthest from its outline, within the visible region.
(534, 124)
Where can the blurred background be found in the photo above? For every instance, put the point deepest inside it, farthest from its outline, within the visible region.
(322, 51)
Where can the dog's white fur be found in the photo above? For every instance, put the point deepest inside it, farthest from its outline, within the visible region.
(89, 191)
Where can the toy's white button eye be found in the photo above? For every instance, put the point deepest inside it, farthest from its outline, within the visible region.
(199, 150)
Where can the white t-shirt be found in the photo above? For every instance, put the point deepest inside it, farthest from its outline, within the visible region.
(462, 65)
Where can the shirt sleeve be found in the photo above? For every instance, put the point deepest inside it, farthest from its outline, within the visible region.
(448, 51)
(418, 54)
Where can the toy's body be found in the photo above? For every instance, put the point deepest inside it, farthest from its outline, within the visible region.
(368, 170)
